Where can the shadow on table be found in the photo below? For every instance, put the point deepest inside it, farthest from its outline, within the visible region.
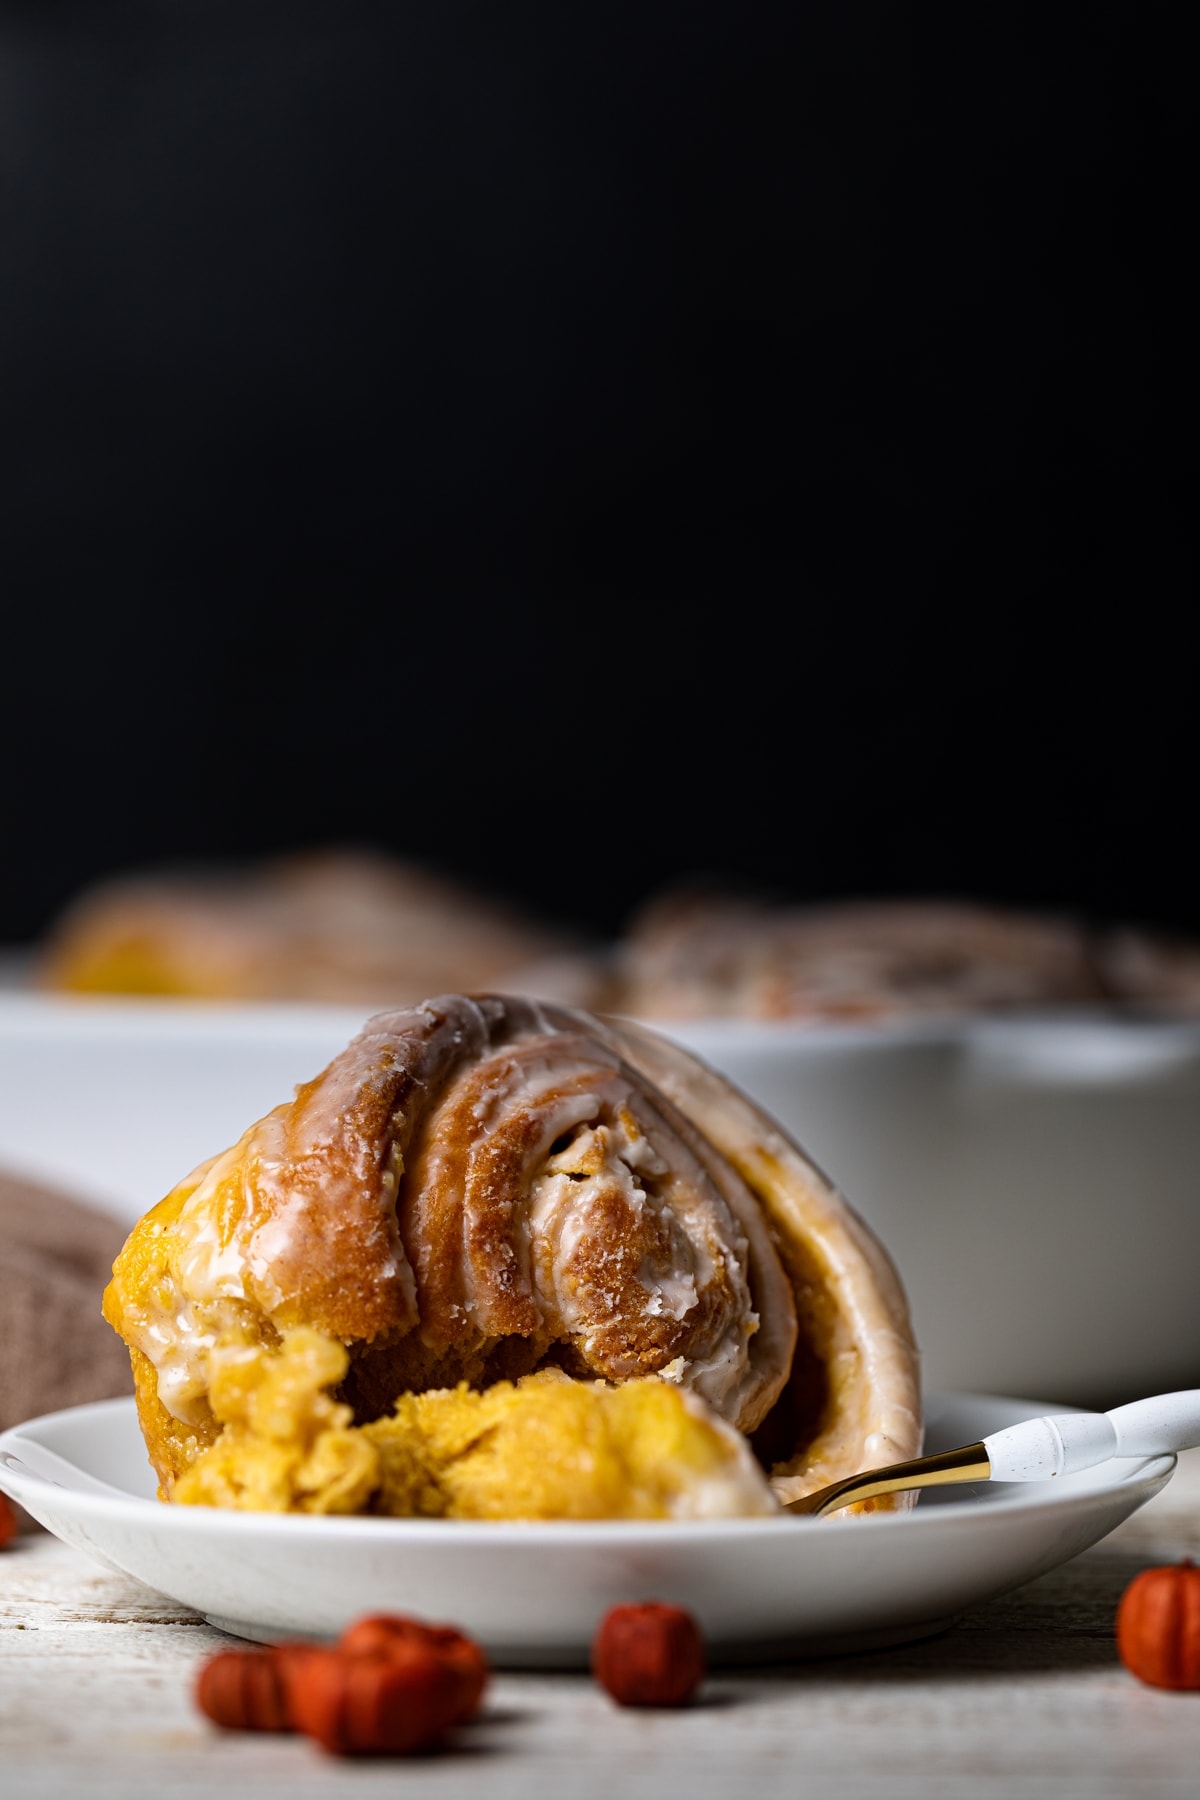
(1062, 1622)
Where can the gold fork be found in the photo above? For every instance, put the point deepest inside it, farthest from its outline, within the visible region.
(971, 1463)
(1035, 1450)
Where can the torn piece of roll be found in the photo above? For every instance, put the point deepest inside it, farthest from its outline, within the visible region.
(506, 1259)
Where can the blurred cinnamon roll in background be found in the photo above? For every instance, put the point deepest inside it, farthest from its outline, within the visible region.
(369, 928)
(347, 927)
(691, 954)
(1152, 970)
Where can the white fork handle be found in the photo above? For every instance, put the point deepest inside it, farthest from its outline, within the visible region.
(1061, 1443)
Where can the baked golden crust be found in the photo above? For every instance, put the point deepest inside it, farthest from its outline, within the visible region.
(477, 1188)
(355, 927)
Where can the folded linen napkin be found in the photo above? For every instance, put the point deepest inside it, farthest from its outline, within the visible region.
(56, 1256)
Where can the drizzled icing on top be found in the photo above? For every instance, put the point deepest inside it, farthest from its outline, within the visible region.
(470, 1170)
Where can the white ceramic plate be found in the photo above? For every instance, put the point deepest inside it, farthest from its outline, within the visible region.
(533, 1593)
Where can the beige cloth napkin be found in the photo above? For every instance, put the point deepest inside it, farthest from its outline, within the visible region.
(56, 1256)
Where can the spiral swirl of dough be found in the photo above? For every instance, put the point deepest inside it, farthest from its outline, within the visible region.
(471, 1178)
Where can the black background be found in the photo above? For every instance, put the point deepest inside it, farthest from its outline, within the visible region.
(583, 445)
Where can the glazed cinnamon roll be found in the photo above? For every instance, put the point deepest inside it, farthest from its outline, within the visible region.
(480, 1191)
(692, 954)
(352, 927)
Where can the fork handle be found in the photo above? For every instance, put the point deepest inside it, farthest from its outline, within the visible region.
(1061, 1443)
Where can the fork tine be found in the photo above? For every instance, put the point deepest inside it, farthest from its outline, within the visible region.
(969, 1463)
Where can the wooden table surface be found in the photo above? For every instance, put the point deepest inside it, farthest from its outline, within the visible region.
(1023, 1695)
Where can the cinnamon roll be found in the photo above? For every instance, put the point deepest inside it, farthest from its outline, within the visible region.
(690, 955)
(493, 1193)
(351, 927)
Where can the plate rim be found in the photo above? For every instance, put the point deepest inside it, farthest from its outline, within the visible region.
(1135, 1473)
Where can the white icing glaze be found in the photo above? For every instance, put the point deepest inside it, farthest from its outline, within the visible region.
(312, 1189)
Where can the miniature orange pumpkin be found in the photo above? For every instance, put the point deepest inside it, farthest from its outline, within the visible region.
(1158, 1626)
(650, 1654)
